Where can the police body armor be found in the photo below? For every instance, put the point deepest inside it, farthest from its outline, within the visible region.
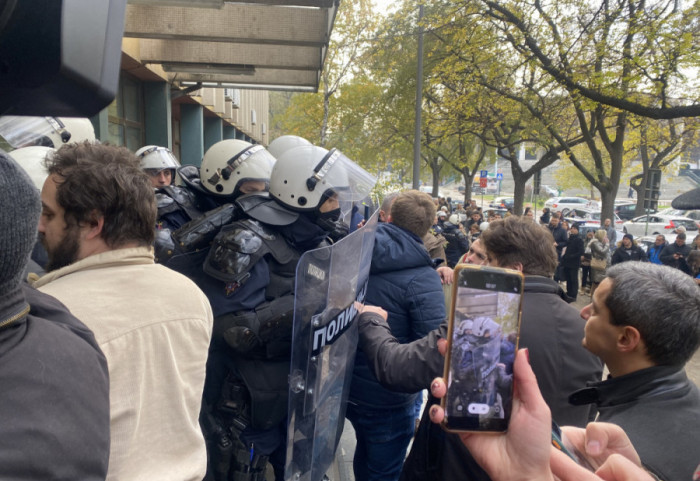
(255, 392)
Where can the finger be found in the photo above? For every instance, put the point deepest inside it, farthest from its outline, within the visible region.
(436, 413)
(619, 468)
(528, 391)
(566, 469)
(442, 346)
(603, 439)
(438, 388)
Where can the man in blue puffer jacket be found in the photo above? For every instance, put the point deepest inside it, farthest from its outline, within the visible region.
(404, 282)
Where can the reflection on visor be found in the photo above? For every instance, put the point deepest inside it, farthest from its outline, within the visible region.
(20, 131)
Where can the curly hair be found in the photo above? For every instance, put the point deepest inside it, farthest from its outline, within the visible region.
(100, 180)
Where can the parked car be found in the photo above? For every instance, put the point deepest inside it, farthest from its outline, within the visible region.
(589, 217)
(626, 210)
(691, 214)
(565, 204)
(502, 203)
(548, 191)
(657, 224)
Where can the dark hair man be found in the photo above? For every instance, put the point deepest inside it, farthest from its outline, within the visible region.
(571, 261)
(153, 324)
(551, 330)
(54, 409)
(654, 252)
(404, 281)
(644, 324)
(676, 254)
(628, 250)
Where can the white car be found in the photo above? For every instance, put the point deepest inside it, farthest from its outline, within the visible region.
(691, 214)
(657, 224)
(565, 204)
(589, 217)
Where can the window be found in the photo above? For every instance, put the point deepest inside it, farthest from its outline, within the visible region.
(126, 115)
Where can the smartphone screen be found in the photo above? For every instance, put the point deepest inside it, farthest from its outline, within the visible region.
(483, 340)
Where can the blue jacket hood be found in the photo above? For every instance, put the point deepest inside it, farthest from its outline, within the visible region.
(397, 249)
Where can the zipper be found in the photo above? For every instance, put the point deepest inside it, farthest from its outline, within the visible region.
(12, 319)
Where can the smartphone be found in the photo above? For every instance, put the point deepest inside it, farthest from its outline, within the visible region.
(560, 442)
(484, 327)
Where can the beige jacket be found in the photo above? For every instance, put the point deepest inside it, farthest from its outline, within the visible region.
(154, 327)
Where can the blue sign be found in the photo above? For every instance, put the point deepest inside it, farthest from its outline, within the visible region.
(499, 176)
(483, 174)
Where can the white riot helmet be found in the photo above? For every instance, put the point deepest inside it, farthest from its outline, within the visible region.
(21, 131)
(229, 163)
(31, 159)
(154, 158)
(284, 143)
(305, 177)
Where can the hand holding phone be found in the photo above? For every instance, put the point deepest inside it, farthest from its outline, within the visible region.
(483, 334)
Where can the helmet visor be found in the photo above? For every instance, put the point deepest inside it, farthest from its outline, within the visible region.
(18, 131)
(345, 178)
(157, 159)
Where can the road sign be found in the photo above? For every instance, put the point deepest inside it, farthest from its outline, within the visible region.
(483, 182)
(499, 176)
(484, 174)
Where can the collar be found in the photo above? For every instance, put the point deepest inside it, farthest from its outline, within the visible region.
(543, 285)
(645, 383)
(14, 308)
(115, 257)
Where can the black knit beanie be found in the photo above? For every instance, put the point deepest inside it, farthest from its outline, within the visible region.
(20, 206)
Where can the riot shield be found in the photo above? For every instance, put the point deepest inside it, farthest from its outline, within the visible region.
(329, 281)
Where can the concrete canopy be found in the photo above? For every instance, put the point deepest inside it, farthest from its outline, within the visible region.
(259, 44)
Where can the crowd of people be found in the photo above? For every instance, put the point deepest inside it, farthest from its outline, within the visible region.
(160, 304)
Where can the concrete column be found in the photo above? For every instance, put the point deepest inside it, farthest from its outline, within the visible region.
(158, 114)
(229, 132)
(213, 131)
(100, 123)
(191, 134)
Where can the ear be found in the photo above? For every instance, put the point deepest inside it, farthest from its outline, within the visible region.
(518, 266)
(93, 227)
(629, 339)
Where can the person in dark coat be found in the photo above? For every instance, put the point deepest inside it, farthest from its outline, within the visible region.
(551, 329)
(54, 409)
(560, 241)
(676, 254)
(402, 280)
(628, 250)
(457, 241)
(644, 323)
(571, 261)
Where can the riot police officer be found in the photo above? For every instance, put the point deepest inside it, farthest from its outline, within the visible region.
(230, 168)
(254, 260)
(159, 163)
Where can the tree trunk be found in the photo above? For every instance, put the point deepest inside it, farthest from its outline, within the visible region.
(436, 181)
(468, 181)
(520, 179)
(607, 197)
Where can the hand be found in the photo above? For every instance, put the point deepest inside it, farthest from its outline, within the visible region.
(599, 441)
(447, 274)
(374, 309)
(615, 468)
(524, 451)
